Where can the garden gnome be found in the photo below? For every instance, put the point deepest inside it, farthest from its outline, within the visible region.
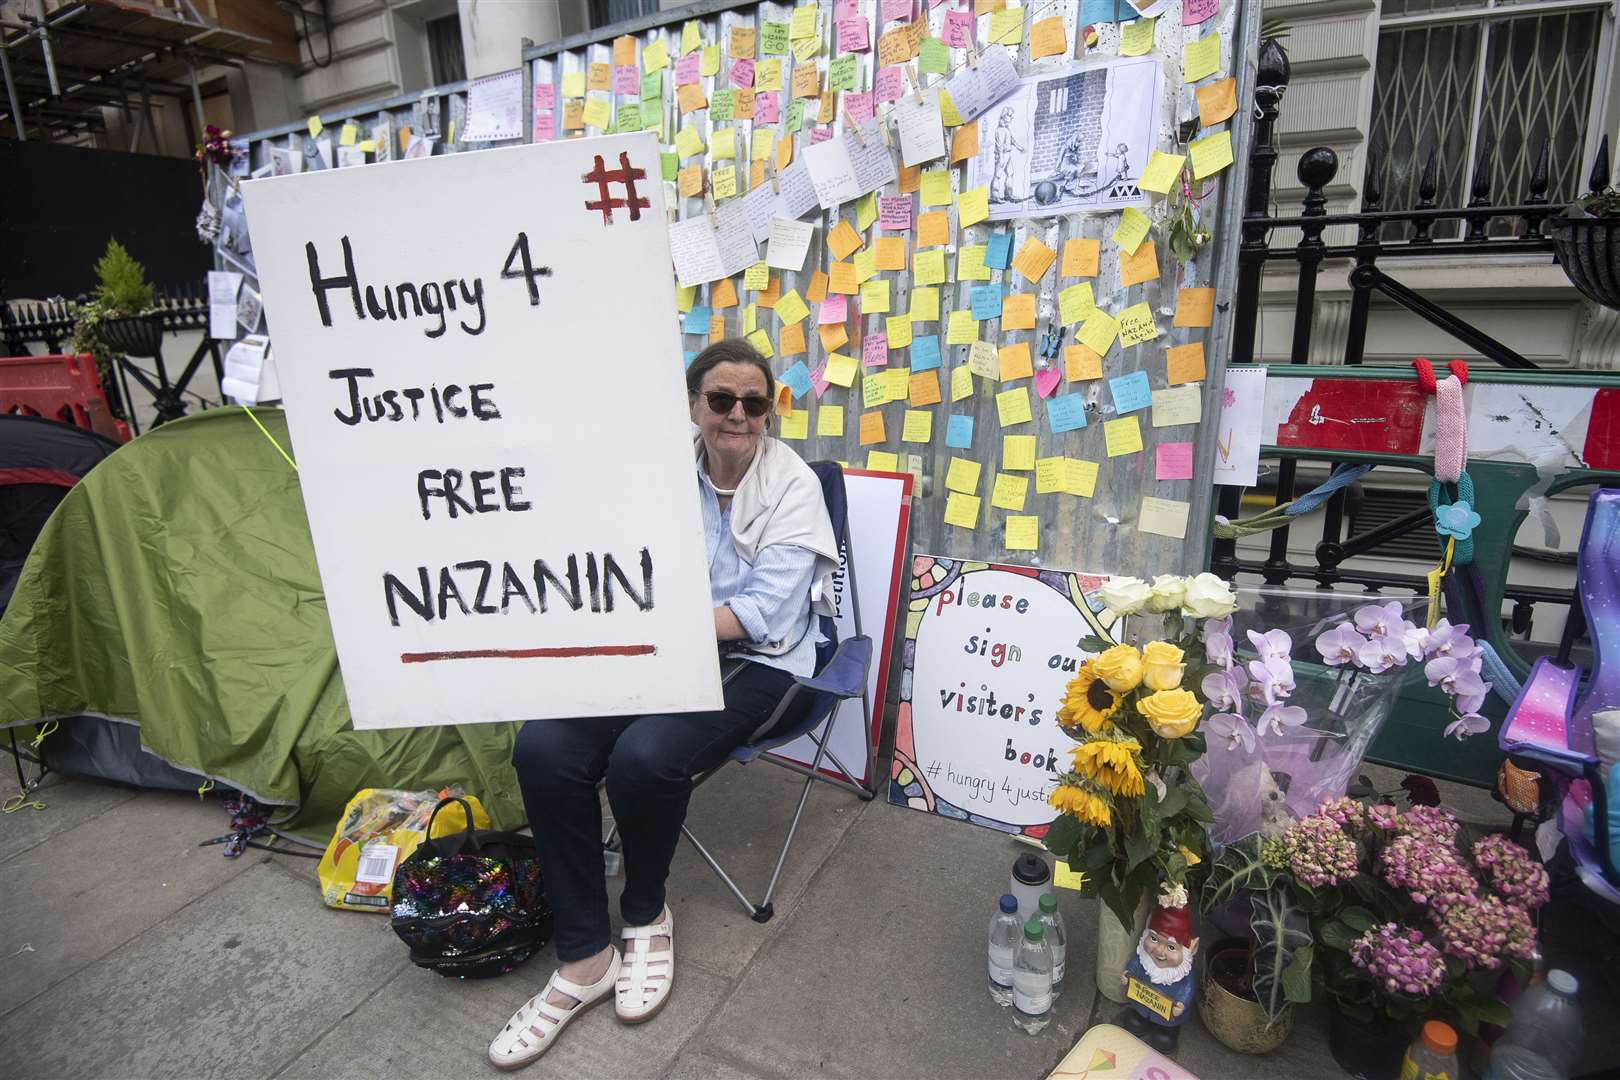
(1158, 980)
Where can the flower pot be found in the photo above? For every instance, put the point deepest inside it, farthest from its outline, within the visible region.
(1115, 944)
(1367, 1050)
(1588, 248)
(133, 335)
(1238, 1021)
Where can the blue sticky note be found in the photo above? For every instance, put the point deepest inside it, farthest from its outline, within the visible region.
(987, 301)
(1066, 412)
(998, 255)
(959, 432)
(798, 377)
(1096, 11)
(697, 321)
(1131, 392)
(925, 352)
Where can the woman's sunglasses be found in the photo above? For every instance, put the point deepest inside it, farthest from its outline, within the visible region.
(721, 402)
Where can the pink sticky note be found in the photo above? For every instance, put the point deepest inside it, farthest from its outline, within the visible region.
(1047, 380)
(852, 34)
(742, 74)
(846, 9)
(545, 126)
(888, 86)
(958, 32)
(820, 135)
(834, 309)
(1173, 461)
(894, 212)
(627, 80)
(896, 9)
(689, 68)
(545, 96)
(818, 379)
(875, 350)
(767, 107)
(858, 107)
(1196, 11)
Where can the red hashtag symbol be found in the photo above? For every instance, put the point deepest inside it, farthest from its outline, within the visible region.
(625, 175)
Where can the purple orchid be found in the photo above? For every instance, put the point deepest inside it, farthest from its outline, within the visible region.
(1233, 728)
(1217, 637)
(1339, 645)
(1224, 689)
(1416, 639)
(1272, 645)
(1380, 620)
(1448, 640)
(1278, 717)
(1273, 680)
(1466, 725)
(1459, 679)
(1379, 654)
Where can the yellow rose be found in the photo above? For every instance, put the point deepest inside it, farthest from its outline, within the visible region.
(1171, 713)
(1120, 667)
(1161, 666)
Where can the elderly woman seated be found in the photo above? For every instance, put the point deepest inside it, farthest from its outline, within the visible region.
(771, 556)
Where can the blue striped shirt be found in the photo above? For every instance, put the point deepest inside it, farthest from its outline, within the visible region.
(771, 597)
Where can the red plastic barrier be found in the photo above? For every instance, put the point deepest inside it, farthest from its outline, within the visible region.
(61, 388)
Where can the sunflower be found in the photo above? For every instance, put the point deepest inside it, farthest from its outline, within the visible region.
(1110, 764)
(1089, 808)
(1088, 702)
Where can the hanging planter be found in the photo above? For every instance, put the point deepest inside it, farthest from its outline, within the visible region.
(1586, 237)
(133, 335)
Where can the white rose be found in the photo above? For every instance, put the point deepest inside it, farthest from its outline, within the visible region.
(1208, 597)
(1167, 593)
(1124, 595)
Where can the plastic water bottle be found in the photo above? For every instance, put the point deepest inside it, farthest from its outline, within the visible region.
(1005, 930)
(1433, 1056)
(1545, 1034)
(1030, 878)
(1057, 939)
(1032, 980)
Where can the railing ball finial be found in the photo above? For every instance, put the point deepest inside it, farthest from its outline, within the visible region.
(1273, 67)
(1317, 168)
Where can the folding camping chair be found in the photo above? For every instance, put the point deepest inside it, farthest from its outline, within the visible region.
(841, 669)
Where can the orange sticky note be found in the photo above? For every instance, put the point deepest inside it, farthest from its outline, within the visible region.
(690, 98)
(924, 388)
(843, 240)
(790, 340)
(872, 428)
(910, 178)
(841, 278)
(1034, 259)
(1080, 257)
(717, 329)
(770, 294)
(1081, 362)
(817, 292)
(599, 77)
(784, 400)
(829, 107)
(1184, 363)
(833, 337)
(1018, 311)
(1047, 38)
(742, 42)
(933, 229)
(807, 81)
(1217, 101)
(624, 52)
(889, 253)
(1014, 361)
(574, 114)
(1195, 307)
(723, 293)
(965, 142)
(1138, 266)
(690, 181)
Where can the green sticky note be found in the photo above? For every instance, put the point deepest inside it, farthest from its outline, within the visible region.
(773, 38)
(796, 116)
(841, 73)
(652, 86)
(671, 163)
(721, 104)
(628, 117)
(933, 56)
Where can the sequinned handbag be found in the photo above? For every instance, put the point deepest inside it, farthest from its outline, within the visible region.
(471, 904)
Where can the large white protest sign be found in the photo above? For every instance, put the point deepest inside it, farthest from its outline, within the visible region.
(493, 445)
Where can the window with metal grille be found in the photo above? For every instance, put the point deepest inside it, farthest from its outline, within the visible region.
(445, 54)
(1462, 77)
(608, 12)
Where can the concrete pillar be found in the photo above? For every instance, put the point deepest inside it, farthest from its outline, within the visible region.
(492, 31)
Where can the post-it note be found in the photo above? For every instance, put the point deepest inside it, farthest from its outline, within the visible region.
(961, 328)
(791, 308)
(1173, 461)
(983, 360)
(795, 425)
(1177, 405)
(1217, 101)
(1081, 362)
(872, 428)
(1080, 477)
(970, 263)
(961, 382)
(998, 252)
(1184, 363)
(875, 297)
(1018, 452)
(1163, 517)
(1122, 436)
(928, 267)
(924, 388)
(925, 304)
(1076, 303)
(918, 426)
(936, 187)
(1023, 530)
(1009, 492)
(1066, 412)
(1139, 266)
(898, 328)
(1136, 38)
(959, 432)
(1098, 332)
(1080, 257)
(1012, 406)
(1047, 37)
(1136, 325)
(1202, 58)
(1013, 362)
(830, 421)
(840, 369)
(925, 352)
(1131, 392)
(882, 461)
(963, 475)
(1195, 307)
(843, 240)
(1034, 259)
(962, 510)
(1162, 171)
(1133, 229)
(1018, 311)
(933, 229)
(1210, 154)
(973, 206)
(1049, 475)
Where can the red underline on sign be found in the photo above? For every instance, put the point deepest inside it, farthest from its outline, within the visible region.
(564, 652)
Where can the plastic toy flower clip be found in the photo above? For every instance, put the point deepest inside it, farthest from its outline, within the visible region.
(1457, 520)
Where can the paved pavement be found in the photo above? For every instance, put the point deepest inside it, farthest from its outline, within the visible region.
(128, 951)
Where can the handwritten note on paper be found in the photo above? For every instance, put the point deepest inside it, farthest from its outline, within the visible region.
(1202, 58)
(1210, 154)
(1163, 517)
(1195, 307)
(962, 510)
(928, 267)
(925, 304)
(1133, 229)
(1141, 266)
(917, 427)
(936, 188)
(872, 428)
(983, 360)
(841, 370)
(1136, 38)
(791, 308)
(973, 206)
(1013, 362)
(1122, 436)
(1012, 407)
(1018, 452)
(1131, 392)
(1081, 362)
(961, 328)
(1237, 436)
(961, 382)
(1177, 405)
(1098, 332)
(874, 297)
(1047, 37)
(796, 425)
(1023, 532)
(1080, 477)
(923, 388)
(898, 327)
(970, 263)
(830, 421)
(1066, 412)
(1080, 257)
(1173, 461)
(1033, 260)
(1136, 325)
(1049, 475)
(1162, 172)
(1009, 492)
(843, 169)
(1076, 303)
(922, 133)
(959, 433)
(1184, 363)
(962, 474)
(1217, 101)
(1197, 11)
(789, 241)
(1018, 311)
(894, 213)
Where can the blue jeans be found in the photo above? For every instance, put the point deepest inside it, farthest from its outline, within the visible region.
(649, 762)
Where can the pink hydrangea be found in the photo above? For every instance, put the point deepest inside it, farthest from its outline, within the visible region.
(1514, 874)
(1429, 868)
(1399, 960)
(1344, 812)
(1319, 853)
(1482, 930)
(1383, 816)
(1433, 821)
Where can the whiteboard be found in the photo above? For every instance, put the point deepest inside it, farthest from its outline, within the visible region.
(507, 525)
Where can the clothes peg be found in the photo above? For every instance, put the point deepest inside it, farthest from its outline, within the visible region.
(855, 129)
(916, 88)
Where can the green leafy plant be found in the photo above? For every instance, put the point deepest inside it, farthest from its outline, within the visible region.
(1282, 952)
(121, 291)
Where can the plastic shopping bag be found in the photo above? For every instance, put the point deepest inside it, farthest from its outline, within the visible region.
(381, 826)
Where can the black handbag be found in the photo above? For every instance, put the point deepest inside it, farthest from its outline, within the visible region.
(471, 904)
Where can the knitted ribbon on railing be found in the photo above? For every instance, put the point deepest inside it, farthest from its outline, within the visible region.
(1454, 518)
(1285, 513)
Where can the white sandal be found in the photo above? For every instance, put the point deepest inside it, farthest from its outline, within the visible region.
(646, 977)
(537, 1023)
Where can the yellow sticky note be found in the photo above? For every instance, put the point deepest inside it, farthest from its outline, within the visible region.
(348, 135)
(1099, 331)
(840, 369)
(865, 265)
(795, 425)
(750, 320)
(804, 22)
(960, 329)
(924, 305)
(761, 144)
(933, 229)
(1177, 405)
(761, 343)
(1080, 477)
(1013, 362)
(962, 510)
(962, 475)
(768, 74)
(1163, 517)
(1122, 436)
(723, 182)
(1161, 172)
(1136, 38)
(961, 382)
(1007, 26)
(830, 421)
(685, 296)
(843, 240)
(1133, 229)
(882, 461)
(691, 36)
(1018, 452)
(973, 206)
(928, 267)
(1023, 532)
(1046, 38)
(368, 146)
(1184, 363)
(970, 263)
(1064, 878)
(315, 126)
(875, 390)
(918, 426)
(898, 327)
(573, 84)
(723, 143)
(1009, 492)
(983, 360)
(1076, 303)
(791, 308)
(655, 57)
(1210, 154)
(1033, 260)
(598, 114)
(1080, 257)
(1049, 475)
(866, 211)
(1141, 266)
(711, 60)
(947, 110)
(1202, 58)
(757, 276)
(1081, 362)
(874, 297)
(1136, 325)
(1018, 311)
(936, 188)
(1012, 406)
(872, 428)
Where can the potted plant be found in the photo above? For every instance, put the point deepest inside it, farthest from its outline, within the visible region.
(1586, 237)
(1251, 984)
(1132, 819)
(119, 317)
